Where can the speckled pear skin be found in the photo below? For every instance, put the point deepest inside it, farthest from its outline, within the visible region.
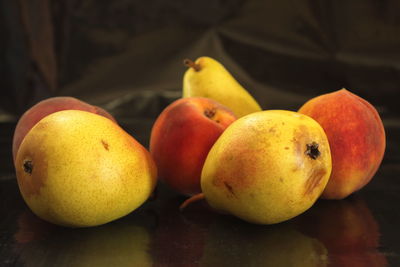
(79, 169)
(267, 167)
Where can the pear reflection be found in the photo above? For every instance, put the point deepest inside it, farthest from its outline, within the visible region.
(232, 243)
(348, 230)
(120, 243)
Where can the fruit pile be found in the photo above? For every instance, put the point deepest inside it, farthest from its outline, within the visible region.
(77, 167)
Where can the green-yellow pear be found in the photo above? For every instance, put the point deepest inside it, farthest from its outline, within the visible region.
(79, 169)
(267, 167)
(206, 77)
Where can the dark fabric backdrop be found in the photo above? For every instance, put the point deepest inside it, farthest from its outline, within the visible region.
(126, 56)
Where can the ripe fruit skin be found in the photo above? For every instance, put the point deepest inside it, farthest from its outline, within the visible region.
(267, 167)
(46, 107)
(79, 169)
(206, 77)
(181, 137)
(357, 139)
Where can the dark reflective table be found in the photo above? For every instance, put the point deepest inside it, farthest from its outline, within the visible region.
(361, 230)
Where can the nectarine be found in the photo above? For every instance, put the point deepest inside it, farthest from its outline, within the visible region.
(181, 137)
(356, 136)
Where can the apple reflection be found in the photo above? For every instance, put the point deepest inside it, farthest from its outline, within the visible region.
(120, 243)
(347, 229)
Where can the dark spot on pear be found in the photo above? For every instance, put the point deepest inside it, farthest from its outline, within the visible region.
(105, 144)
(28, 166)
(312, 150)
(33, 172)
(230, 188)
(315, 178)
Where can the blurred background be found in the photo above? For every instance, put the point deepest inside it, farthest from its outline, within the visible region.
(126, 55)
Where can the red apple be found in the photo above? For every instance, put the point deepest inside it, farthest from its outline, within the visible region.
(356, 137)
(46, 107)
(181, 137)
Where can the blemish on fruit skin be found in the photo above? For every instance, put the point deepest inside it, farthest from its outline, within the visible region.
(241, 174)
(230, 188)
(28, 166)
(305, 150)
(34, 170)
(312, 150)
(314, 179)
(105, 144)
(210, 112)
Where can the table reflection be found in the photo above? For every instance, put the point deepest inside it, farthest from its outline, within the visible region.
(122, 243)
(331, 233)
(347, 228)
(180, 237)
(233, 243)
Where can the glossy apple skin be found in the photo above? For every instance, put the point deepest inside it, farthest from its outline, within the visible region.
(181, 137)
(46, 107)
(356, 136)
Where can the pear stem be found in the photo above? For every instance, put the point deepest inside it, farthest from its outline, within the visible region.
(189, 63)
(190, 200)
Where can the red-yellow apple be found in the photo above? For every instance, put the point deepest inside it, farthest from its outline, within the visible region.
(181, 137)
(356, 136)
(47, 107)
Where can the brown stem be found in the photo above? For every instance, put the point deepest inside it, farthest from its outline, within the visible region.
(190, 200)
(189, 63)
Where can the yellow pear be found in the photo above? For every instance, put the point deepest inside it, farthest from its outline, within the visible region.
(267, 167)
(206, 77)
(79, 169)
